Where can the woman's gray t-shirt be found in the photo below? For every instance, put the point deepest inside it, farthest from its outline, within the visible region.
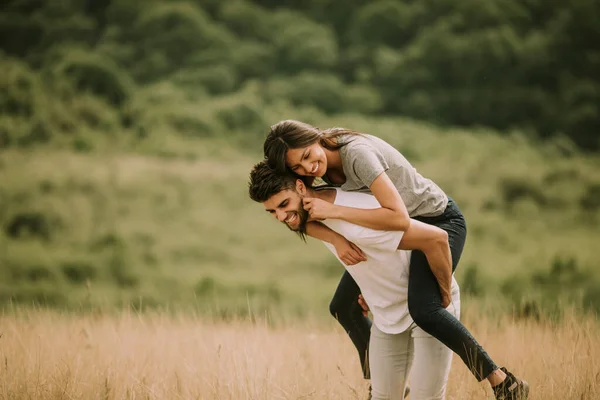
(365, 157)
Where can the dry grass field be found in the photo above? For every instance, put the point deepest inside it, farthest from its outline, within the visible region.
(49, 355)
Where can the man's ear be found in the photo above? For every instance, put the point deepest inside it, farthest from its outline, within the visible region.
(300, 187)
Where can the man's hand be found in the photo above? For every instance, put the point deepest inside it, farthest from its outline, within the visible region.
(318, 209)
(348, 252)
(364, 305)
(446, 299)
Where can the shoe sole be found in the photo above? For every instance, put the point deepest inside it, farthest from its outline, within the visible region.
(525, 391)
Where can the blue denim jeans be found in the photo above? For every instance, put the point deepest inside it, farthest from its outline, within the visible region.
(424, 303)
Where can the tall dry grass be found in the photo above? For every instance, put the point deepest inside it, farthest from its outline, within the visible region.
(47, 355)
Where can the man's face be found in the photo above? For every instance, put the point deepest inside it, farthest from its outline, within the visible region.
(287, 207)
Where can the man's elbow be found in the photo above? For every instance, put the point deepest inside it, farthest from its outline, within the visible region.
(435, 243)
(441, 238)
(403, 223)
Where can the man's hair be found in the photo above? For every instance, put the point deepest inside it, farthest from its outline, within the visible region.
(266, 182)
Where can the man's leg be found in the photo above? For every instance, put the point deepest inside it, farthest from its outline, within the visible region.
(432, 362)
(390, 357)
(345, 308)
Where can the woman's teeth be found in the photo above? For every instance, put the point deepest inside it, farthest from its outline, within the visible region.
(315, 168)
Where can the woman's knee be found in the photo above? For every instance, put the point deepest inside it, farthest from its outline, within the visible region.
(424, 314)
(339, 308)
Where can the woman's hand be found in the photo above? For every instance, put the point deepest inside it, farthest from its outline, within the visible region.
(348, 252)
(318, 209)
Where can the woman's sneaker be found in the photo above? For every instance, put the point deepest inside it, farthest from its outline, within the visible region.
(512, 388)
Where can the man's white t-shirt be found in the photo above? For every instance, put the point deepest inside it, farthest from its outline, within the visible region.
(383, 278)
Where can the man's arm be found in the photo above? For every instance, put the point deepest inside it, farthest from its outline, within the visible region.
(432, 241)
(347, 251)
(429, 239)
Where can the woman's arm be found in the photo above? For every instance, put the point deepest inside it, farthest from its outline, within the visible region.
(392, 216)
(348, 252)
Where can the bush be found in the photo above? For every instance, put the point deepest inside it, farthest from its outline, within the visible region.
(303, 44)
(190, 122)
(548, 292)
(79, 271)
(96, 115)
(96, 74)
(33, 224)
(362, 99)
(471, 281)
(241, 114)
(120, 268)
(19, 85)
(22, 132)
(254, 60)
(42, 294)
(206, 286)
(216, 79)
(31, 273)
(382, 22)
(172, 36)
(590, 200)
(20, 34)
(248, 20)
(515, 189)
(324, 91)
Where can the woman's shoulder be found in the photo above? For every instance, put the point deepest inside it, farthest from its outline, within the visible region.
(364, 142)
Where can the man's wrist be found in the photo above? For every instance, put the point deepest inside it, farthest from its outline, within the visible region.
(335, 239)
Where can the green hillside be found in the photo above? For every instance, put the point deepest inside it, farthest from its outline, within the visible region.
(128, 128)
(172, 224)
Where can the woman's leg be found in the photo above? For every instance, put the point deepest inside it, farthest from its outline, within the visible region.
(424, 300)
(390, 357)
(345, 308)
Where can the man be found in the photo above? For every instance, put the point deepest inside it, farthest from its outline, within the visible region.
(383, 280)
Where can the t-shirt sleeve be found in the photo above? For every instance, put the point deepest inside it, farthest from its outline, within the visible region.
(366, 162)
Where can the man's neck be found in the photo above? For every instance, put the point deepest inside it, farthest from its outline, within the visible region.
(323, 194)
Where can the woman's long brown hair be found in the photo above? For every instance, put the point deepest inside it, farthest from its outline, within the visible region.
(291, 134)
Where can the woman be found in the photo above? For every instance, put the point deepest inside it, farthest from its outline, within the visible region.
(361, 162)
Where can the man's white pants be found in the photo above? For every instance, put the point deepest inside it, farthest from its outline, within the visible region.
(415, 353)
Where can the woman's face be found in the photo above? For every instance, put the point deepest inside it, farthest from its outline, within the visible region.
(307, 161)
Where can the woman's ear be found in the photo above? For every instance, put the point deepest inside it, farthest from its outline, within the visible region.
(300, 187)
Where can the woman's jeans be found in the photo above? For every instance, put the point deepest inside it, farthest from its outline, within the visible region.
(415, 353)
(424, 302)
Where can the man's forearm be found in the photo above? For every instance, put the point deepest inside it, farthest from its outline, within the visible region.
(319, 231)
(440, 262)
(433, 242)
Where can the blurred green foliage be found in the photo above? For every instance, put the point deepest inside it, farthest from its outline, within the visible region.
(128, 128)
(165, 221)
(530, 65)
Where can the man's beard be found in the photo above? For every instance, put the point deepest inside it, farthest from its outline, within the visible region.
(301, 227)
